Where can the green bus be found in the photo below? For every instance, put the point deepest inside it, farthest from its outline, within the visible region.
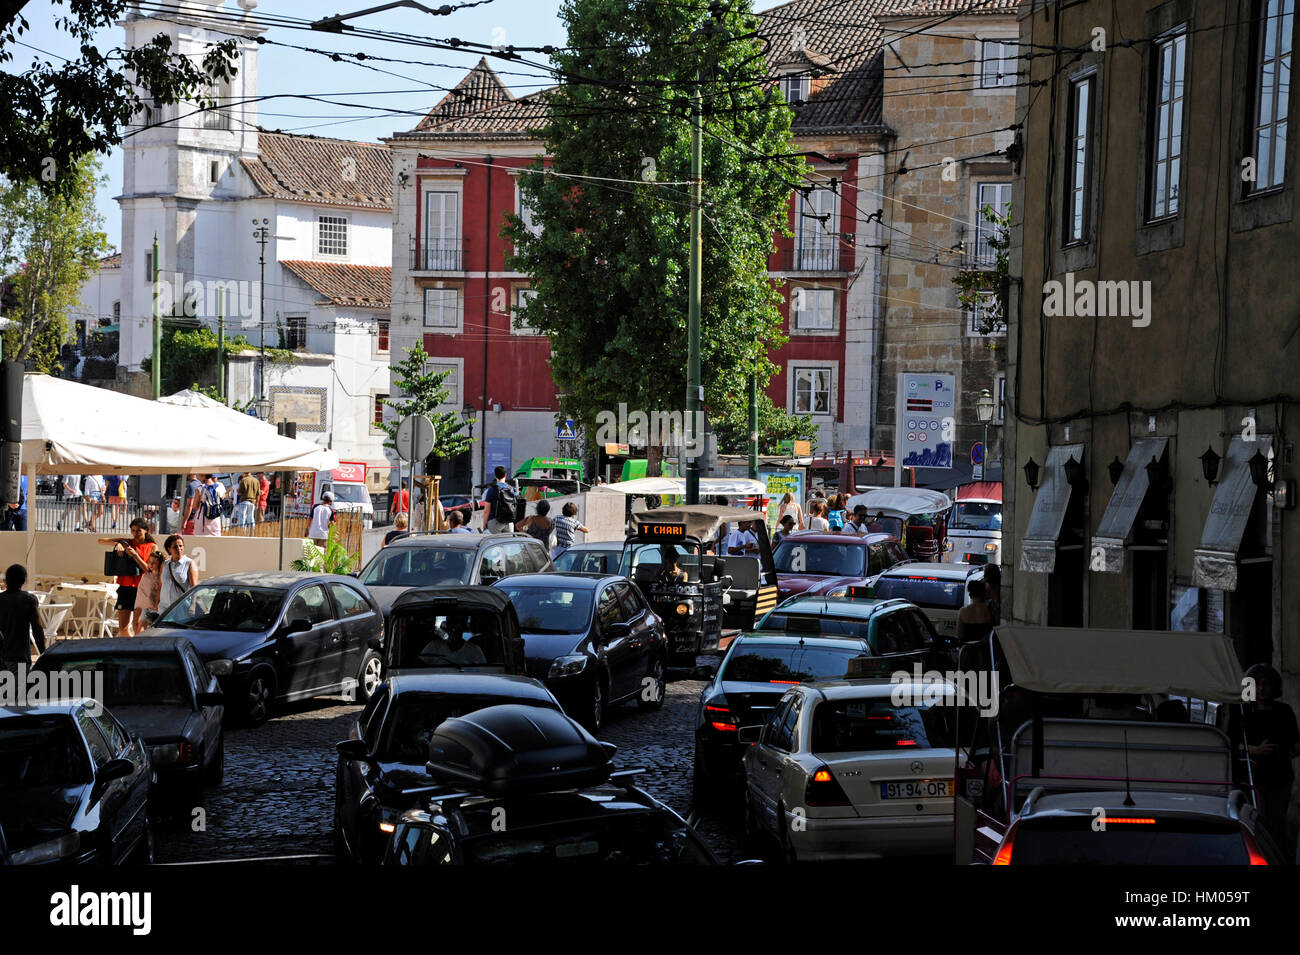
(559, 476)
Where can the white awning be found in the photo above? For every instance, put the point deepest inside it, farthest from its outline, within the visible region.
(1131, 490)
(669, 485)
(71, 428)
(1074, 660)
(1214, 562)
(1038, 548)
(901, 501)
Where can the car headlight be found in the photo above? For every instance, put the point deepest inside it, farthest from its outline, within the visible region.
(387, 820)
(569, 664)
(165, 754)
(59, 848)
(947, 544)
(220, 667)
(991, 546)
(684, 608)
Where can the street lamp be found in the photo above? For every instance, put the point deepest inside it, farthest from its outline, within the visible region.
(984, 410)
(1210, 467)
(263, 406)
(468, 414)
(1031, 474)
(261, 235)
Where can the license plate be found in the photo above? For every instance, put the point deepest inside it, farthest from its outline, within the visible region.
(917, 789)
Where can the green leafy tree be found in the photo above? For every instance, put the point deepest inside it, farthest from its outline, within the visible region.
(985, 288)
(424, 392)
(50, 244)
(610, 265)
(189, 359)
(774, 426)
(56, 112)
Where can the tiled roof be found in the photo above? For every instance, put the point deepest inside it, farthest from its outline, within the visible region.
(113, 261)
(934, 8)
(480, 107)
(312, 169)
(361, 286)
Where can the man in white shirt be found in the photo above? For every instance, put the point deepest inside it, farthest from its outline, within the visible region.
(322, 516)
(94, 488)
(72, 494)
(743, 540)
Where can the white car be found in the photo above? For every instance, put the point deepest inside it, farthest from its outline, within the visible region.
(938, 589)
(841, 772)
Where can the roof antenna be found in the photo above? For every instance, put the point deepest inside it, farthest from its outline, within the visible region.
(1128, 784)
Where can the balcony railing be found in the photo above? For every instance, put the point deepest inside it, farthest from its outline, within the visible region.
(809, 259)
(437, 255)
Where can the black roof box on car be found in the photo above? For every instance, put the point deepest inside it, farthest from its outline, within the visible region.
(509, 749)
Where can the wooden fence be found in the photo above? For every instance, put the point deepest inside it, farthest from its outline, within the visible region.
(348, 527)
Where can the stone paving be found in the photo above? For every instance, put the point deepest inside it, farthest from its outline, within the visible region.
(278, 794)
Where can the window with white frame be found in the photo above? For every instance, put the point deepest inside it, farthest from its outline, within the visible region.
(518, 324)
(814, 309)
(332, 235)
(217, 115)
(816, 228)
(525, 210)
(795, 87)
(381, 335)
(1166, 149)
(451, 382)
(997, 63)
(1271, 92)
(117, 312)
(996, 195)
(442, 308)
(1001, 414)
(1079, 161)
(986, 313)
(812, 391)
(148, 266)
(442, 245)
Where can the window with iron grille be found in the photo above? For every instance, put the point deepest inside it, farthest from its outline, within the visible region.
(1166, 150)
(817, 224)
(986, 313)
(331, 235)
(377, 413)
(217, 116)
(295, 332)
(1272, 92)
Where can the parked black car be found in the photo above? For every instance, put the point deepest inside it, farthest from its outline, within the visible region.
(161, 691)
(551, 784)
(272, 637)
(74, 786)
(381, 771)
(592, 639)
(465, 629)
(450, 560)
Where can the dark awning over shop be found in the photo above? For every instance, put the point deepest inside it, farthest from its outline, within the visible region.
(1214, 562)
(1117, 522)
(1038, 549)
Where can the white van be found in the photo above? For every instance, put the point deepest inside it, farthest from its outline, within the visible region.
(347, 483)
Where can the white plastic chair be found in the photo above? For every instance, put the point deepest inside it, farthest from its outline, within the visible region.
(52, 616)
(99, 620)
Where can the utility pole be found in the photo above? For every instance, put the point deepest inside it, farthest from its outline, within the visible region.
(753, 424)
(221, 347)
(261, 235)
(157, 328)
(693, 387)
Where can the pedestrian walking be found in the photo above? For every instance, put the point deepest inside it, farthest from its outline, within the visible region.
(75, 505)
(322, 516)
(179, 574)
(149, 590)
(208, 521)
(540, 526)
(138, 547)
(115, 496)
(263, 495)
(817, 519)
(565, 527)
(400, 524)
(402, 499)
(1272, 740)
(835, 513)
(975, 620)
(15, 515)
(502, 504)
(993, 584)
(20, 621)
(790, 506)
(787, 527)
(94, 491)
(193, 504)
(250, 489)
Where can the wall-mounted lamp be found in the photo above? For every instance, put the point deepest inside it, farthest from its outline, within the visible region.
(1031, 474)
(1210, 466)
(1074, 473)
(1155, 474)
(1259, 470)
(1116, 468)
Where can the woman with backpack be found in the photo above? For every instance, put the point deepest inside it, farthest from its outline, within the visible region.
(835, 514)
(208, 517)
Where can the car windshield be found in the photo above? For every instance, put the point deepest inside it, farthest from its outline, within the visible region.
(586, 561)
(1075, 841)
(136, 679)
(821, 557)
(640, 838)
(853, 726)
(434, 638)
(550, 609)
(413, 717)
(815, 623)
(350, 494)
(789, 663)
(923, 591)
(976, 516)
(646, 555)
(41, 751)
(225, 607)
(419, 567)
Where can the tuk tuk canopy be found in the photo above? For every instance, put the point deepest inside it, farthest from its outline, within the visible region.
(1072, 660)
(901, 501)
(702, 520)
(677, 486)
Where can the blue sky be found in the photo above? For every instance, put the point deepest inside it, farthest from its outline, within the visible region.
(287, 71)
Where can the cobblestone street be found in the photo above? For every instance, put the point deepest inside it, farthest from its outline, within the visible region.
(278, 795)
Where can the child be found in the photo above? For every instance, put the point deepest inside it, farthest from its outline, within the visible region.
(150, 587)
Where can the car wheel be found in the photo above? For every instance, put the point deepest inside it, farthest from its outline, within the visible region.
(369, 676)
(259, 692)
(595, 715)
(145, 851)
(216, 770)
(654, 682)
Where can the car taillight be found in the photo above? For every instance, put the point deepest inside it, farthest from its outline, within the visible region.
(187, 753)
(1252, 850)
(1004, 851)
(823, 790)
(721, 718)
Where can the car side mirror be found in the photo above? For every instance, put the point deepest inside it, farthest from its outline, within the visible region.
(297, 625)
(354, 573)
(211, 699)
(114, 769)
(619, 631)
(704, 673)
(750, 734)
(353, 749)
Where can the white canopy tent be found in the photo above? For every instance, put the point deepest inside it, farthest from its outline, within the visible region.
(673, 485)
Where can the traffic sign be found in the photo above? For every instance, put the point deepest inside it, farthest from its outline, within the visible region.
(977, 453)
(415, 438)
(566, 431)
(925, 420)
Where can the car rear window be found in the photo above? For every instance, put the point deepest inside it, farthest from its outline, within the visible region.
(811, 623)
(153, 679)
(1073, 841)
(852, 726)
(755, 663)
(432, 638)
(923, 591)
(419, 567)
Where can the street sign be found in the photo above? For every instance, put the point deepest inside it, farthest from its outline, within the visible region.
(497, 454)
(566, 431)
(924, 420)
(977, 453)
(415, 438)
(977, 472)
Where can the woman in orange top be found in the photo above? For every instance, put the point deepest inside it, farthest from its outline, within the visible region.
(138, 547)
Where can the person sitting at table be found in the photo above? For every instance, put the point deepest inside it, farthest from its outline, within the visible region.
(138, 547)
